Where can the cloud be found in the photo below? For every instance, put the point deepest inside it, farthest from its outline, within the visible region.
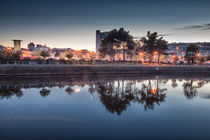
(165, 34)
(195, 27)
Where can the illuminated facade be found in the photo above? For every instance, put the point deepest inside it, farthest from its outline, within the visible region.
(99, 38)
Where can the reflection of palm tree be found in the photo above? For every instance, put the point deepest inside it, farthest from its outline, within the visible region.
(117, 98)
(69, 90)
(201, 83)
(113, 101)
(150, 96)
(44, 92)
(174, 83)
(91, 89)
(190, 91)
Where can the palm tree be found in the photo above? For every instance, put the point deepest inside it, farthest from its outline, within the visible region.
(153, 43)
(191, 52)
(45, 54)
(69, 55)
(117, 40)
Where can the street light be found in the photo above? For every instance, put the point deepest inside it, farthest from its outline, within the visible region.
(177, 49)
(8, 49)
(155, 52)
(198, 54)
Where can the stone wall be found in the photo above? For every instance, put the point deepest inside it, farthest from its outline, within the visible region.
(100, 69)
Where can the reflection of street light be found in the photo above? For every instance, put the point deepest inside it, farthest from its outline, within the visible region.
(154, 90)
(77, 90)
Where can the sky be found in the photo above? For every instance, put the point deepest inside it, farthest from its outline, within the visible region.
(73, 23)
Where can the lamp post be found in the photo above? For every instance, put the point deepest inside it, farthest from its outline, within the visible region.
(177, 50)
(156, 53)
(198, 56)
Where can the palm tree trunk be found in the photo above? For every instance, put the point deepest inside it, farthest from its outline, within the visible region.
(158, 58)
(123, 55)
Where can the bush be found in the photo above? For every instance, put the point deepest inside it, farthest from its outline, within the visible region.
(208, 57)
(82, 61)
(51, 61)
(202, 59)
(62, 61)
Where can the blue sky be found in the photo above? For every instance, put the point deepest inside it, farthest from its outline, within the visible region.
(72, 23)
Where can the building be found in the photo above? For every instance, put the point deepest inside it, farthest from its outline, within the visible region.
(99, 38)
(41, 47)
(31, 46)
(178, 48)
(17, 45)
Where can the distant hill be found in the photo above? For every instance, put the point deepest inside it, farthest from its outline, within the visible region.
(2, 47)
(204, 47)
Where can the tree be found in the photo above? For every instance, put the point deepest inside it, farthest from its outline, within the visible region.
(191, 53)
(82, 54)
(57, 54)
(36, 53)
(69, 55)
(121, 39)
(153, 43)
(10, 56)
(17, 55)
(92, 56)
(45, 54)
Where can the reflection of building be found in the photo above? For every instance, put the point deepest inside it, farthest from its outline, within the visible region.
(99, 37)
(17, 45)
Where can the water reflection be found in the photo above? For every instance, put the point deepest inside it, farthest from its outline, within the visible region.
(190, 87)
(151, 96)
(45, 92)
(8, 91)
(115, 95)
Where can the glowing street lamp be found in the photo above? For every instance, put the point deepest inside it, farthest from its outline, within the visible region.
(141, 53)
(198, 55)
(8, 49)
(155, 52)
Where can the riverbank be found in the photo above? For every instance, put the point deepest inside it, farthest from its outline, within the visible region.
(27, 70)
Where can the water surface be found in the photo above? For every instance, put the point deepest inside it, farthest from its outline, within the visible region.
(105, 107)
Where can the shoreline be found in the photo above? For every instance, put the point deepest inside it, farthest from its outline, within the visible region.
(42, 70)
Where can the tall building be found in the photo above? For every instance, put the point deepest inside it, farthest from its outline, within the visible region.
(17, 45)
(31, 46)
(99, 38)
